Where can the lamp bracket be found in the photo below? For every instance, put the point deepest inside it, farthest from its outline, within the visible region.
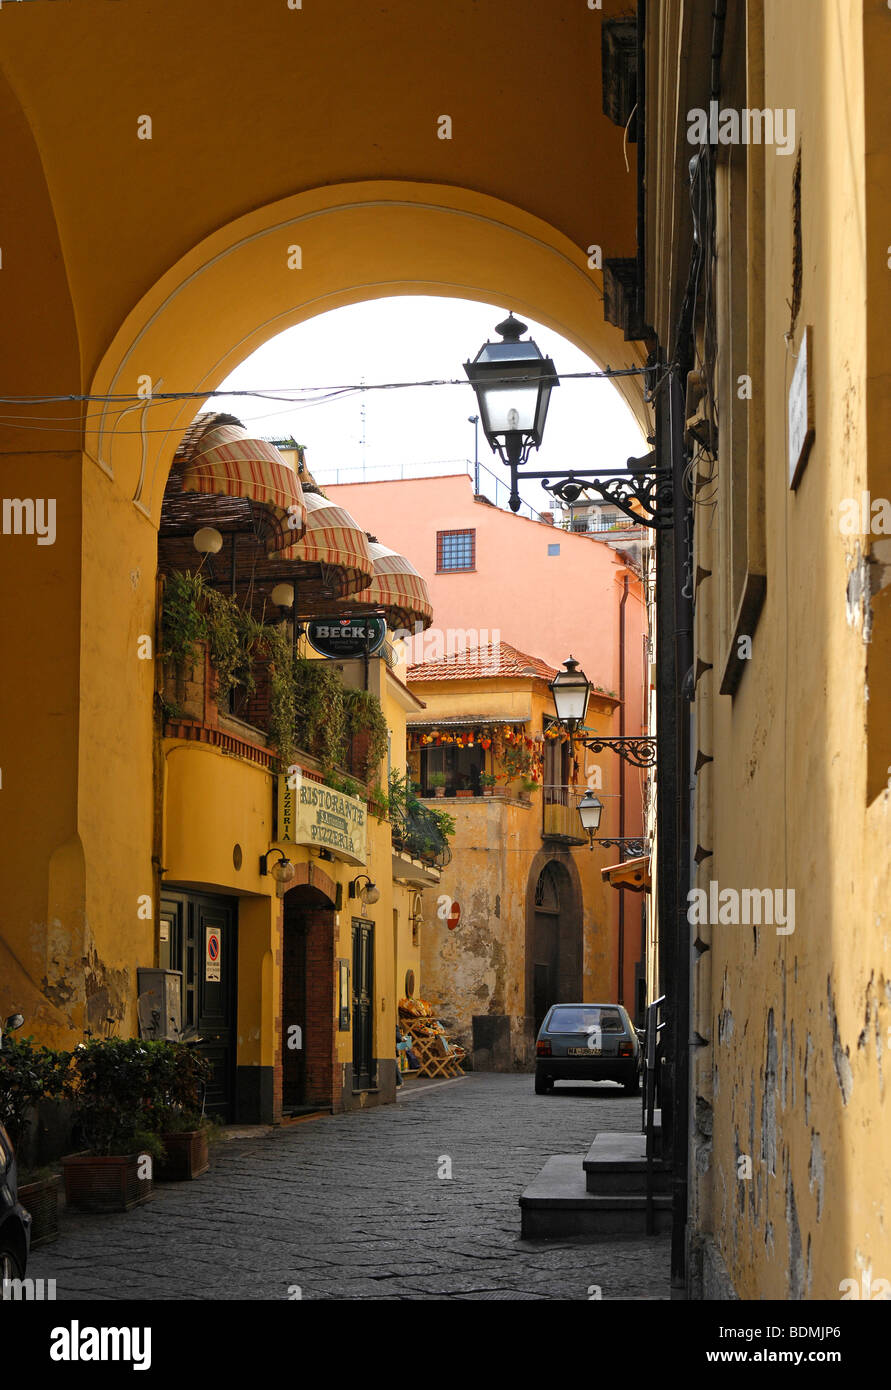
(652, 491)
(638, 750)
(631, 848)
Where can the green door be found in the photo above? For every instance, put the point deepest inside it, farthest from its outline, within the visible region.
(363, 1001)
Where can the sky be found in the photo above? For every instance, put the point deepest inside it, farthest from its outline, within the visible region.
(419, 430)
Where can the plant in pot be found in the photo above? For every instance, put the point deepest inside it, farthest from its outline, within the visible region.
(181, 1075)
(28, 1075)
(487, 782)
(437, 781)
(527, 785)
(112, 1086)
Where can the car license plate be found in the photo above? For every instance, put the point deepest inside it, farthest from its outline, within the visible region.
(583, 1051)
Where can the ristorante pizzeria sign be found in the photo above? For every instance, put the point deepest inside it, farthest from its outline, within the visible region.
(312, 814)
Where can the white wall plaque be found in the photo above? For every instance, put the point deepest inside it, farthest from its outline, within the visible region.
(801, 409)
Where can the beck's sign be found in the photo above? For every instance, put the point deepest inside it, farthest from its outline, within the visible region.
(313, 814)
(347, 636)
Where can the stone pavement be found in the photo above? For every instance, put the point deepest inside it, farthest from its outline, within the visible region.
(353, 1207)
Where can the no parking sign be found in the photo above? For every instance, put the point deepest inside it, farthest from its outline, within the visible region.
(212, 953)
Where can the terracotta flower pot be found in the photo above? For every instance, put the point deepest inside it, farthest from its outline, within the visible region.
(41, 1199)
(105, 1184)
(186, 1156)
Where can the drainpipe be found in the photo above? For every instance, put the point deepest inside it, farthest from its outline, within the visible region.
(622, 784)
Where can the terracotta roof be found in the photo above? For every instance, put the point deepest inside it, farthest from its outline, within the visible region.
(482, 663)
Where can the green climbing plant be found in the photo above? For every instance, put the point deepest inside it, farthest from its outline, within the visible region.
(363, 714)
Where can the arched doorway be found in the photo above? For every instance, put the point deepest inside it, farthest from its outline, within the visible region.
(554, 955)
(307, 1010)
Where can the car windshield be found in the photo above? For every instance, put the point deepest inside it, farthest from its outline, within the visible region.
(582, 1017)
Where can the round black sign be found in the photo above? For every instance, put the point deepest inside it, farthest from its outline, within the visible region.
(346, 636)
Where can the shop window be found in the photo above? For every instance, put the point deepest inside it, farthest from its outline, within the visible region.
(455, 550)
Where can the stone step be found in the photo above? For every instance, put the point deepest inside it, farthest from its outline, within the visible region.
(617, 1163)
(558, 1206)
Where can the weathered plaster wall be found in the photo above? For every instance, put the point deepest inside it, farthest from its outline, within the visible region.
(791, 1118)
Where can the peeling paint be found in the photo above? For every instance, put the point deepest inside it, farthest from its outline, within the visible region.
(796, 1262)
(808, 1058)
(858, 607)
(769, 1100)
(840, 1058)
(815, 1171)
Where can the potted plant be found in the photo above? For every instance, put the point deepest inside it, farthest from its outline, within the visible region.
(437, 781)
(28, 1075)
(487, 782)
(527, 785)
(112, 1084)
(181, 1077)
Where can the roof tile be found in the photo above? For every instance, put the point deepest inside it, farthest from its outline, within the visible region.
(482, 663)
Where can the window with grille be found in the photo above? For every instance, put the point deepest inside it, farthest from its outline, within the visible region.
(455, 550)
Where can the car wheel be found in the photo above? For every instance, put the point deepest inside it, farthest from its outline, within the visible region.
(9, 1266)
(543, 1084)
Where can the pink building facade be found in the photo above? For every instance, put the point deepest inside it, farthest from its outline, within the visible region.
(494, 575)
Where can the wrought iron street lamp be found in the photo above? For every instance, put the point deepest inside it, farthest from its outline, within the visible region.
(590, 811)
(571, 690)
(513, 381)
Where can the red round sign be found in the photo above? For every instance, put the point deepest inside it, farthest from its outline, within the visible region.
(454, 916)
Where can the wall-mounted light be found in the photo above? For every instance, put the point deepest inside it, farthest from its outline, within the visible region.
(370, 894)
(283, 595)
(590, 811)
(283, 871)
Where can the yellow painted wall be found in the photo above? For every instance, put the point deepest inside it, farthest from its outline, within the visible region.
(166, 259)
(795, 1076)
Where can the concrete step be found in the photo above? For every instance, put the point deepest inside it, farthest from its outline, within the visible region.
(558, 1206)
(617, 1163)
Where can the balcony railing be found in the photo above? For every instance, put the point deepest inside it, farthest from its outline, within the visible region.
(416, 832)
(560, 816)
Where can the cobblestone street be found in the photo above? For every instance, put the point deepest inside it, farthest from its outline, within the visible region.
(352, 1207)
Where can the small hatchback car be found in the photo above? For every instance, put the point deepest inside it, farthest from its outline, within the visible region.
(587, 1042)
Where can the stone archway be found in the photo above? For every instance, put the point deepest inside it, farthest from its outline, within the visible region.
(554, 937)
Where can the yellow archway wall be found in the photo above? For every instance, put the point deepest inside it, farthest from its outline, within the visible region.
(227, 296)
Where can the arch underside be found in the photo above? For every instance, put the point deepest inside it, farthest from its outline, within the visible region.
(241, 286)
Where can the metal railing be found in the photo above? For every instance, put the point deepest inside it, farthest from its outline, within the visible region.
(485, 483)
(651, 1056)
(416, 832)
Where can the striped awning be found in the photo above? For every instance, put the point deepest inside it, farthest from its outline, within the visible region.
(334, 545)
(399, 590)
(227, 462)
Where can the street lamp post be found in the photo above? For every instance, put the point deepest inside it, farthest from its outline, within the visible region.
(475, 421)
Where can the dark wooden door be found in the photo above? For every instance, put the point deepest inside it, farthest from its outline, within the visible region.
(294, 1040)
(363, 1000)
(203, 944)
(544, 967)
(215, 950)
